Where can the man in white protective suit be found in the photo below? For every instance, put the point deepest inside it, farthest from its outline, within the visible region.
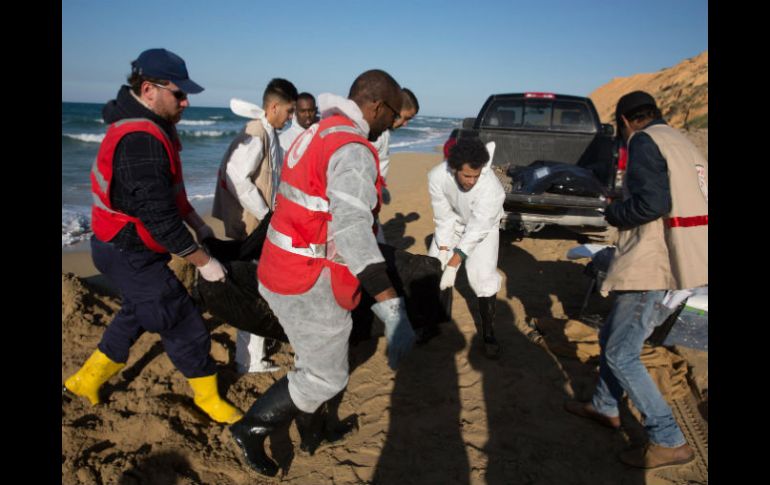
(247, 184)
(320, 252)
(467, 200)
(305, 115)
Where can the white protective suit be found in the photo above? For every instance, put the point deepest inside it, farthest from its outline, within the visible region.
(244, 161)
(382, 145)
(317, 327)
(287, 137)
(470, 222)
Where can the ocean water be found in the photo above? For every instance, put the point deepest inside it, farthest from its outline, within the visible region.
(205, 134)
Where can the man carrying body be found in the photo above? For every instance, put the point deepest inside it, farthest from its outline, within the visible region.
(304, 116)
(467, 200)
(320, 249)
(140, 207)
(662, 252)
(247, 181)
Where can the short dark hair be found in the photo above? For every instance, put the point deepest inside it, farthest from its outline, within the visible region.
(135, 81)
(281, 89)
(373, 85)
(307, 96)
(468, 150)
(410, 100)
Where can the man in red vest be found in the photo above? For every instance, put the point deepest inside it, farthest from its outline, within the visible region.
(138, 217)
(320, 250)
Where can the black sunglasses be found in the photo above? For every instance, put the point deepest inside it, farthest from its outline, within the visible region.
(396, 114)
(178, 94)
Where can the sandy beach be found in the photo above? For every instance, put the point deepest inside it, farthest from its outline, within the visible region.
(448, 416)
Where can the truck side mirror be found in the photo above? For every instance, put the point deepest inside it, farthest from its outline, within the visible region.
(468, 122)
(608, 129)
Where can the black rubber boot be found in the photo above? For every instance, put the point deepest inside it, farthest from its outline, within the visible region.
(487, 306)
(268, 412)
(318, 428)
(311, 430)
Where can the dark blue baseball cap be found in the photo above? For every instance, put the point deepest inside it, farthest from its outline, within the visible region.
(164, 64)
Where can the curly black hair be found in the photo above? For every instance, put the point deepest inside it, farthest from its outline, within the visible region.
(468, 150)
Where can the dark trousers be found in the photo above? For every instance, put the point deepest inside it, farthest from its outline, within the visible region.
(153, 300)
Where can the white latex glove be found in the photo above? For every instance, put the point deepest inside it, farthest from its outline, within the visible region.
(213, 270)
(204, 232)
(398, 330)
(448, 277)
(444, 255)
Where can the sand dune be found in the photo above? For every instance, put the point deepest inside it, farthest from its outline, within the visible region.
(681, 92)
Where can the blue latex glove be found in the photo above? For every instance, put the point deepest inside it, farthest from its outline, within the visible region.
(398, 330)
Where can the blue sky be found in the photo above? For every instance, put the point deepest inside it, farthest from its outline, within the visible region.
(452, 54)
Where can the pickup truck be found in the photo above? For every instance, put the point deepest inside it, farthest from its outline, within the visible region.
(544, 131)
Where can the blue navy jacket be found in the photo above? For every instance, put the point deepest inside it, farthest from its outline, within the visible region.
(142, 183)
(646, 181)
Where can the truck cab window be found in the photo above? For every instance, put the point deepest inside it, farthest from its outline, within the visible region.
(503, 114)
(537, 114)
(571, 116)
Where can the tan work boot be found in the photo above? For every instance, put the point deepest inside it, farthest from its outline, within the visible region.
(654, 456)
(587, 410)
(89, 378)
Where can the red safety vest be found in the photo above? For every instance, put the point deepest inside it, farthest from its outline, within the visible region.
(107, 222)
(297, 248)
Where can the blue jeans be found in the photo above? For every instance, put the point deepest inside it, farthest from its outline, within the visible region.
(634, 316)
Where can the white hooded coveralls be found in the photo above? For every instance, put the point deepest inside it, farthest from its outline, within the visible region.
(470, 222)
(317, 327)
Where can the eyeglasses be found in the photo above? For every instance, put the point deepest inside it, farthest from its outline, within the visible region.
(178, 94)
(396, 114)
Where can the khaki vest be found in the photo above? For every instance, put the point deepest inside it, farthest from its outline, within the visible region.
(671, 252)
(238, 222)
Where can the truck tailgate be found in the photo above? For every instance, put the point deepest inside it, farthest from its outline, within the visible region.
(556, 200)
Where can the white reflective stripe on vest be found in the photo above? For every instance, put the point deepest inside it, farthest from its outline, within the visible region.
(309, 202)
(284, 242)
(314, 251)
(98, 203)
(99, 178)
(176, 188)
(343, 128)
(143, 120)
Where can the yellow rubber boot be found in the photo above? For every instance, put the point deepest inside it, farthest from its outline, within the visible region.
(207, 398)
(95, 372)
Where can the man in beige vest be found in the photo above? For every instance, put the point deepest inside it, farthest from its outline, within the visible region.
(662, 253)
(247, 183)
